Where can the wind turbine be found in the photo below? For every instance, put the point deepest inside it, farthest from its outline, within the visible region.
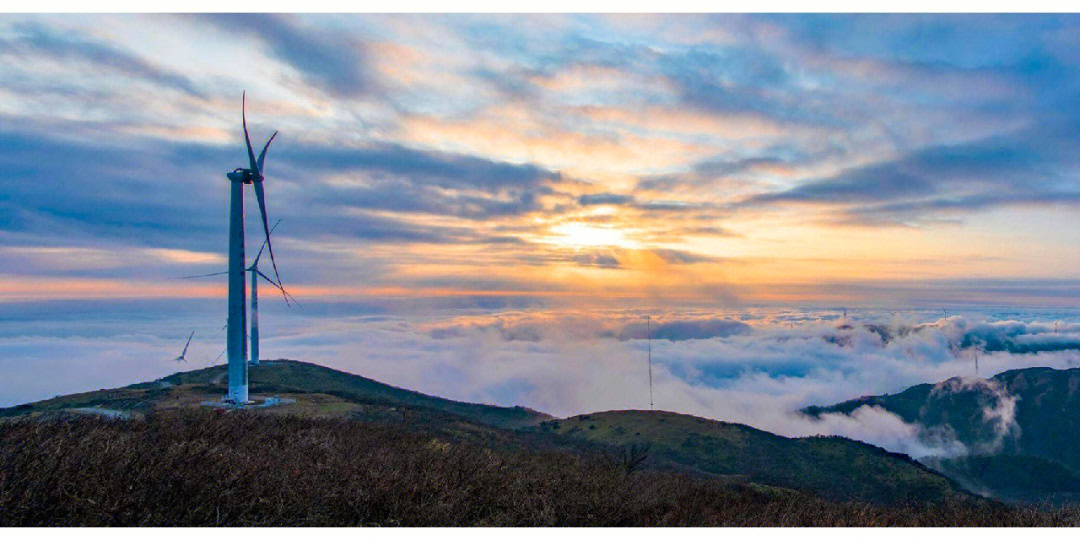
(255, 274)
(976, 348)
(237, 314)
(183, 354)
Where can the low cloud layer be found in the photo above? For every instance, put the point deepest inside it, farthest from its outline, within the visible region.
(757, 367)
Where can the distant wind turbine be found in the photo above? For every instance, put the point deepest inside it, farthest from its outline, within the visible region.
(255, 274)
(975, 350)
(183, 354)
(843, 321)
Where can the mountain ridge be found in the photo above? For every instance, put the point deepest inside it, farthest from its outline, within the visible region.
(1019, 420)
(698, 446)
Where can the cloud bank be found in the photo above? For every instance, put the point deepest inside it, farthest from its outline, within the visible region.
(757, 367)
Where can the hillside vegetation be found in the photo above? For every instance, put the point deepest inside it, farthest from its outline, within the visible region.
(830, 466)
(840, 469)
(680, 455)
(196, 467)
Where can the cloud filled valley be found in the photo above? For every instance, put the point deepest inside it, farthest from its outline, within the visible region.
(757, 366)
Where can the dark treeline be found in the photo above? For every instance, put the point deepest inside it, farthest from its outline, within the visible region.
(197, 468)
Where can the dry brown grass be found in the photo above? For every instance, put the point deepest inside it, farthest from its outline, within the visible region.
(197, 468)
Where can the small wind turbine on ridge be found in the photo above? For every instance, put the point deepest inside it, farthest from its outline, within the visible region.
(183, 354)
(975, 350)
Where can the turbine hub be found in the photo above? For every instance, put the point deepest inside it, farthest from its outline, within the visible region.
(246, 176)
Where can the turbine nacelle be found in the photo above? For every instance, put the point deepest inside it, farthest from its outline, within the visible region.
(247, 176)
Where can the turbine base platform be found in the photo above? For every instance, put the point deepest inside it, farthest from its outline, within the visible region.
(256, 402)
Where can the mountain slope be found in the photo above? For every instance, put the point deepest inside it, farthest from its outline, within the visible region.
(833, 467)
(1032, 413)
(1013, 477)
(830, 466)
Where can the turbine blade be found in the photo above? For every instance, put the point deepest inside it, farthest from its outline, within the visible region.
(204, 275)
(261, 195)
(222, 353)
(286, 293)
(247, 139)
(255, 263)
(184, 353)
(262, 155)
(294, 300)
(264, 276)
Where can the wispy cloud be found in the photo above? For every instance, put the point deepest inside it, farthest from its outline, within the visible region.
(684, 155)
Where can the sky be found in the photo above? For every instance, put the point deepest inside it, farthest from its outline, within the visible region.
(486, 207)
(710, 160)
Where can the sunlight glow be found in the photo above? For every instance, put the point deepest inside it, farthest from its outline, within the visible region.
(579, 235)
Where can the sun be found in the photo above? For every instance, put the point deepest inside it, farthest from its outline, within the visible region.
(581, 235)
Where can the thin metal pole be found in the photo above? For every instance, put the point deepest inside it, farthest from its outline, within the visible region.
(648, 339)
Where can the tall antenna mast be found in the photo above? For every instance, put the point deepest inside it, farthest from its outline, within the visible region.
(648, 339)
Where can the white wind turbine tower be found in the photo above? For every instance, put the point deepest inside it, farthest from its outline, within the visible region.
(237, 314)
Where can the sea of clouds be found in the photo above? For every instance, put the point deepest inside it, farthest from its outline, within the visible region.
(756, 366)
